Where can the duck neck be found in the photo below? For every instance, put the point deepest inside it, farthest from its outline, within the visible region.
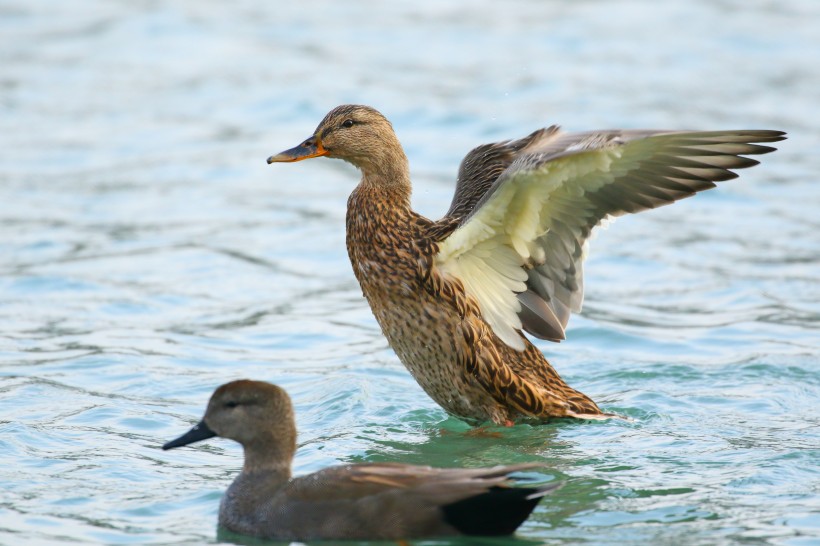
(386, 177)
(384, 193)
(262, 476)
(273, 458)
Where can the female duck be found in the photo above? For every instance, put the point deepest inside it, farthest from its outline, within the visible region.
(453, 296)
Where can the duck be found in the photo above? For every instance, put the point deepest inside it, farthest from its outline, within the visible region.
(388, 501)
(456, 297)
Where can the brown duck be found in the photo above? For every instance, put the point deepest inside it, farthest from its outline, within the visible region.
(452, 296)
(362, 501)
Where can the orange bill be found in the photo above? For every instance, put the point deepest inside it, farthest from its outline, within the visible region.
(312, 147)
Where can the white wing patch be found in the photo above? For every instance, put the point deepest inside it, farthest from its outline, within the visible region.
(489, 252)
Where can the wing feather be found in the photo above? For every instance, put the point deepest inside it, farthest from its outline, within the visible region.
(522, 239)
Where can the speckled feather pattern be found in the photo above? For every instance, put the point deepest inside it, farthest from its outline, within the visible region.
(453, 296)
(437, 330)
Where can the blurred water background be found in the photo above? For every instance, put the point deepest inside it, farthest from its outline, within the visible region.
(149, 254)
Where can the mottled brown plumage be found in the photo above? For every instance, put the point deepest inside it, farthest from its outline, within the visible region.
(453, 296)
(360, 501)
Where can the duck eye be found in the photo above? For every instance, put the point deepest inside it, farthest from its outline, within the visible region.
(348, 123)
(231, 404)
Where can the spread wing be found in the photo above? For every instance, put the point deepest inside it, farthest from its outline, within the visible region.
(520, 244)
(482, 167)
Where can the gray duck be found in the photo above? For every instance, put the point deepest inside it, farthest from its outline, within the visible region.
(356, 501)
(455, 296)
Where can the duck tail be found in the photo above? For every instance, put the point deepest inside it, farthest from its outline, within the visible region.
(496, 512)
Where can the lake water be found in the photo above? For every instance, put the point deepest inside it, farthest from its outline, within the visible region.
(149, 254)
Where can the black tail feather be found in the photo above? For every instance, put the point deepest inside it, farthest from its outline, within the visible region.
(499, 511)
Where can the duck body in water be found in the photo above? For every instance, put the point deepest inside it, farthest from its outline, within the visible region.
(358, 501)
(455, 296)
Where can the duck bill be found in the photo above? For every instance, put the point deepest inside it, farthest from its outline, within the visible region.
(199, 432)
(312, 147)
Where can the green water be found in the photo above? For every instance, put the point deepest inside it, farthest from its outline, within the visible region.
(149, 255)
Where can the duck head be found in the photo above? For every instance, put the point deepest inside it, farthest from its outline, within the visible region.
(256, 414)
(357, 134)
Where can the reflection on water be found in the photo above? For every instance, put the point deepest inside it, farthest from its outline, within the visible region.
(150, 254)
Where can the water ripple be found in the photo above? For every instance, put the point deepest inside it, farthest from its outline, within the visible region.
(151, 255)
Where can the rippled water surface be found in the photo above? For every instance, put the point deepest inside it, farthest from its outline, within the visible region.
(149, 255)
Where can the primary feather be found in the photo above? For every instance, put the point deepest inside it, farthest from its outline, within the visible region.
(532, 221)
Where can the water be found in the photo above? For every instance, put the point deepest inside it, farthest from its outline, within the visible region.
(149, 255)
